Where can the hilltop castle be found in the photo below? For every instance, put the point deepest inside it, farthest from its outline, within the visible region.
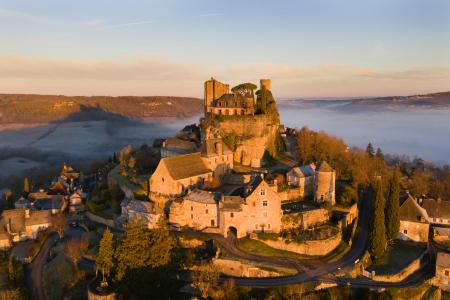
(241, 101)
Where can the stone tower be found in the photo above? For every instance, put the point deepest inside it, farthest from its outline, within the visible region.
(265, 84)
(214, 89)
(324, 187)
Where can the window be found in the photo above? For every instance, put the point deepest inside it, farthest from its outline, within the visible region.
(446, 272)
(162, 179)
(212, 223)
(231, 215)
(192, 208)
(268, 226)
(405, 231)
(418, 218)
(263, 192)
(434, 219)
(442, 221)
(206, 211)
(265, 203)
(254, 203)
(192, 216)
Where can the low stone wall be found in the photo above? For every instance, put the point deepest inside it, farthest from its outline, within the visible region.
(400, 276)
(316, 247)
(238, 268)
(98, 219)
(292, 193)
(305, 219)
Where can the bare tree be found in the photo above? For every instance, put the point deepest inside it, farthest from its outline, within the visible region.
(74, 250)
(59, 224)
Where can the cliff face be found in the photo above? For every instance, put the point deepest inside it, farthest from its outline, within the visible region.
(252, 138)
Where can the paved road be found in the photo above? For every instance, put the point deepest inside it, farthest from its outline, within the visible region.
(34, 276)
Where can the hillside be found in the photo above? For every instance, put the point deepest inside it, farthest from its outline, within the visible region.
(435, 100)
(22, 108)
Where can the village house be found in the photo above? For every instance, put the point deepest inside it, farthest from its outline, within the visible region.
(5, 240)
(143, 210)
(256, 207)
(175, 146)
(438, 211)
(21, 224)
(414, 221)
(442, 277)
(198, 210)
(175, 175)
(302, 178)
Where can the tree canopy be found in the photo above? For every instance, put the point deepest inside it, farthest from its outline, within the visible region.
(244, 88)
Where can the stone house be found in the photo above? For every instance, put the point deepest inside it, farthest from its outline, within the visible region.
(302, 178)
(175, 146)
(414, 221)
(442, 277)
(175, 175)
(5, 241)
(143, 210)
(198, 210)
(438, 211)
(256, 207)
(21, 224)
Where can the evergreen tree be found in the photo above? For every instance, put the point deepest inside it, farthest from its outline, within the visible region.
(104, 260)
(142, 247)
(26, 186)
(369, 150)
(377, 234)
(392, 220)
(379, 154)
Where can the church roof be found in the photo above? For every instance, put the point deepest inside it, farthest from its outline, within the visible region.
(411, 211)
(185, 166)
(324, 167)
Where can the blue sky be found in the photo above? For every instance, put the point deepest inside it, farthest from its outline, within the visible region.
(313, 48)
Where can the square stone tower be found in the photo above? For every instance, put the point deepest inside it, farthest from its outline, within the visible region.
(214, 89)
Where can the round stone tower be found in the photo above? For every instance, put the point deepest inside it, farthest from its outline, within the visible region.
(265, 84)
(325, 184)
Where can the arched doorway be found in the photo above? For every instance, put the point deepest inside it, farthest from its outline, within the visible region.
(232, 232)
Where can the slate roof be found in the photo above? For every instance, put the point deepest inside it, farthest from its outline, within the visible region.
(185, 166)
(303, 171)
(178, 144)
(437, 208)
(246, 190)
(443, 260)
(209, 147)
(201, 197)
(411, 211)
(142, 206)
(232, 203)
(323, 166)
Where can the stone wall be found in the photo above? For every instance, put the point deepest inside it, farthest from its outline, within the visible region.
(416, 231)
(316, 247)
(292, 193)
(238, 268)
(255, 135)
(98, 219)
(403, 274)
(305, 219)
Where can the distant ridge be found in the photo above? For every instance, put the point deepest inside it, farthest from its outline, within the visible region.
(29, 108)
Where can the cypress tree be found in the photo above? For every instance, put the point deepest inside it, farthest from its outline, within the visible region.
(377, 235)
(26, 186)
(392, 220)
(369, 150)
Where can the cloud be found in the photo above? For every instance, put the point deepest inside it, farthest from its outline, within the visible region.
(125, 69)
(162, 76)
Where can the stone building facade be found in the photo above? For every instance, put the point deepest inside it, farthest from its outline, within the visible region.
(442, 278)
(414, 224)
(255, 207)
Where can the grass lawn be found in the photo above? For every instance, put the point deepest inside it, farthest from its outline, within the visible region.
(259, 248)
(397, 257)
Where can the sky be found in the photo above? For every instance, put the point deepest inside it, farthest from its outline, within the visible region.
(315, 48)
